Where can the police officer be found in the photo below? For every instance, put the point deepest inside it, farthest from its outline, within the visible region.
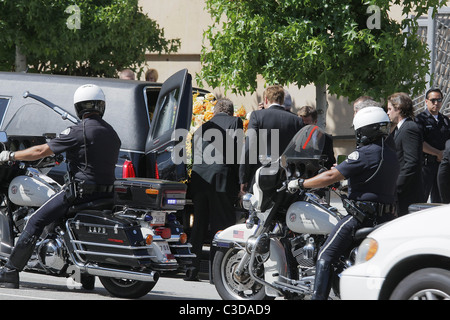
(92, 149)
(372, 171)
(435, 129)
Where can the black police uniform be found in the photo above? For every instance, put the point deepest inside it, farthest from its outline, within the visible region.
(92, 149)
(435, 133)
(372, 172)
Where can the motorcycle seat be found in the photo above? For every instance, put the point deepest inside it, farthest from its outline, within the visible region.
(99, 204)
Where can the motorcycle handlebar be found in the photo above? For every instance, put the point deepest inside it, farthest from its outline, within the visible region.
(49, 161)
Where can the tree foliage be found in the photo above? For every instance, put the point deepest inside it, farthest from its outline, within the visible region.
(112, 35)
(326, 42)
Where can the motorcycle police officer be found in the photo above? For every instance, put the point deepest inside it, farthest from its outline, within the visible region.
(372, 171)
(92, 149)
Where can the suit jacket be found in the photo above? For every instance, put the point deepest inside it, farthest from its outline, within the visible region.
(214, 168)
(408, 143)
(274, 117)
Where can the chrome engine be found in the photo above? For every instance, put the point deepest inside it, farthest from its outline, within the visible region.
(51, 255)
(304, 249)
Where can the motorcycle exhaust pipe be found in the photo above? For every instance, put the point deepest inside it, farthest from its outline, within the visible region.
(153, 276)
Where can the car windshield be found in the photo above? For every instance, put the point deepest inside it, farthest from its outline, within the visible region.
(308, 143)
(34, 120)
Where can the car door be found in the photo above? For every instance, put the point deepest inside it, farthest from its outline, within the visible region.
(173, 111)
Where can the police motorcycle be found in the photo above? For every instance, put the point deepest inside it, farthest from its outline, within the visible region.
(126, 241)
(274, 253)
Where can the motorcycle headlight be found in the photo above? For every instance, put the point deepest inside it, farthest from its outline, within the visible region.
(246, 201)
(367, 250)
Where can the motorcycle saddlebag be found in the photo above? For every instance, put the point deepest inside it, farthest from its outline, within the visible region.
(150, 194)
(103, 238)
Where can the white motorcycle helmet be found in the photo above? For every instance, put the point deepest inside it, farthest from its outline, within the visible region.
(370, 124)
(89, 98)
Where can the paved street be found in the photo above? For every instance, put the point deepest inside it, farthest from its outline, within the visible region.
(39, 287)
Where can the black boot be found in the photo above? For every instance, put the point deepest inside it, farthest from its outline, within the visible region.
(322, 281)
(9, 274)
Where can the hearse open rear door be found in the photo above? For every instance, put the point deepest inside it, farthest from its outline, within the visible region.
(173, 111)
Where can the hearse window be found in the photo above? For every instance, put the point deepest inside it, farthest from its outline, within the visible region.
(4, 103)
(167, 114)
(152, 98)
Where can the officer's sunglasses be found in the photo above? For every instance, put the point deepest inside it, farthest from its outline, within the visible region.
(433, 101)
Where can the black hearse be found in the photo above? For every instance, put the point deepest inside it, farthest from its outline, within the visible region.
(144, 114)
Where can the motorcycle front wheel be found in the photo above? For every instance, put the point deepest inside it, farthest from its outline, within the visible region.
(128, 289)
(228, 285)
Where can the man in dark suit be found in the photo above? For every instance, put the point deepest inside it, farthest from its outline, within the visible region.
(215, 177)
(269, 132)
(408, 143)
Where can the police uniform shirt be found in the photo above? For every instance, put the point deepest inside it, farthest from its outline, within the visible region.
(102, 151)
(435, 132)
(361, 165)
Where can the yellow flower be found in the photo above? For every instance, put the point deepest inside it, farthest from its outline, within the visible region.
(210, 96)
(240, 112)
(198, 107)
(208, 115)
(208, 106)
(246, 121)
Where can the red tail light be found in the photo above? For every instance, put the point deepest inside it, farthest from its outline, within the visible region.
(156, 171)
(164, 233)
(128, 170)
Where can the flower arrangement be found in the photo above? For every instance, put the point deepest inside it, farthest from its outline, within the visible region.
(203, 111)
(241, 113)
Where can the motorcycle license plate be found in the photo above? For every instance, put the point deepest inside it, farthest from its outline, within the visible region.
(159, 219)
(165, 249)
(164, 246)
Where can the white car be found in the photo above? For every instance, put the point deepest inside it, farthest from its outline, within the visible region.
(408, 258)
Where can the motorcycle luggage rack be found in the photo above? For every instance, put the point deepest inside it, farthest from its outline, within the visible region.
(116, 255)
(107, 257)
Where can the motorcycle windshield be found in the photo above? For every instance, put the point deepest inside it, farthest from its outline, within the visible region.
(33, 119)
(307, 144)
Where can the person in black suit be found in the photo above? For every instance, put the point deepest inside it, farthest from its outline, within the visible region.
(408, 143)
(215, 177)
(269, 132)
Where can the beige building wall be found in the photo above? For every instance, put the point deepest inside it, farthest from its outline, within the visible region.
(188, 19)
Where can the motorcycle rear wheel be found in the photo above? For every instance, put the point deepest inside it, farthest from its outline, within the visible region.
(128, 289)
(227, 285)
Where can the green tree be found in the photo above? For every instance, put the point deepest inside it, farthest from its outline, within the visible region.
(348, 47)
(82, 37)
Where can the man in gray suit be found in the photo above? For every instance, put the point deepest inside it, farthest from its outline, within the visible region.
(269, 132)
(215, 177)
(408, 143)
